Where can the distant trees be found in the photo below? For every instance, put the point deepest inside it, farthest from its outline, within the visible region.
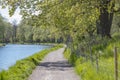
(29, 33)
(2, 29)
(14, 30)
(21, 32)
(5, 31)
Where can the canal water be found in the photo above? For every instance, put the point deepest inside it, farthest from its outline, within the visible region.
(10, 53)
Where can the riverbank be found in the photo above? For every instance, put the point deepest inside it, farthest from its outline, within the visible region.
(23, 68)
(48, 44)
(2, 44)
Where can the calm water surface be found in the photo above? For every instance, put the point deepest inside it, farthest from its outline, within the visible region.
(10, 53)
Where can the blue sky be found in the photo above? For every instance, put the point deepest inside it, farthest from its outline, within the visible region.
(16, 16)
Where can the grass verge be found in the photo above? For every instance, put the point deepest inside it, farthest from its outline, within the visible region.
(88, 70)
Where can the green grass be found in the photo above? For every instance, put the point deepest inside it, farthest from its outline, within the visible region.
(88, 71)
(23, 68)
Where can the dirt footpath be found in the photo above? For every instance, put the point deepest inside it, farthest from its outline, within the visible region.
(54, 67)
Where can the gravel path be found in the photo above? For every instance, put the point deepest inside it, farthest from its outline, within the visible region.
(54, 67)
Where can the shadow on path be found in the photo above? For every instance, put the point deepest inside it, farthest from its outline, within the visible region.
(54, 66)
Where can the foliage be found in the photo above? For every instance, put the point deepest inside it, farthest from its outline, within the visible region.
(58, 20)
(5, 30)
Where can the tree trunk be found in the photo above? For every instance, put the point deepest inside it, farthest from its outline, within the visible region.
(105, 19)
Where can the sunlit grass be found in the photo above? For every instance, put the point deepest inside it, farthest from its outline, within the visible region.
(88, 70)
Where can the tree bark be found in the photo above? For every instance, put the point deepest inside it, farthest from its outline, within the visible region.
(105, 19)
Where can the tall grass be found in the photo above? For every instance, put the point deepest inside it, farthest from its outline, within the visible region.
(88, 71)
(23, 68)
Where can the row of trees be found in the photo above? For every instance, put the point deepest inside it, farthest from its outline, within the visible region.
(68, 20)
(25, 32)
(6, 31)
(30, 33)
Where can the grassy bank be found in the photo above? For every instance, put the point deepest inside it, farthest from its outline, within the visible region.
(2, 44)
(88, 70)
(23, 68)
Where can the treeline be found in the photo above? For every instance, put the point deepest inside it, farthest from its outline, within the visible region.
(26, 33)
(6, 31)
(71, 21)
(34, 34)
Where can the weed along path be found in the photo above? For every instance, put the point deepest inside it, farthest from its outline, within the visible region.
(54, 67)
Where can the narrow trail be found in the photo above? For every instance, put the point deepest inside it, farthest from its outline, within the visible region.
(54, 67)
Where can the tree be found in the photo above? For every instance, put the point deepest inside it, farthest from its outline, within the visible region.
(21, 32)
(106, 17)
(2, 29)
(14, 31)
(8, 32)
(5, 30)
(24, 32)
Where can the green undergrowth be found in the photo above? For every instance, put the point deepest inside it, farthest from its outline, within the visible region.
(88, 70)
(23, 68)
